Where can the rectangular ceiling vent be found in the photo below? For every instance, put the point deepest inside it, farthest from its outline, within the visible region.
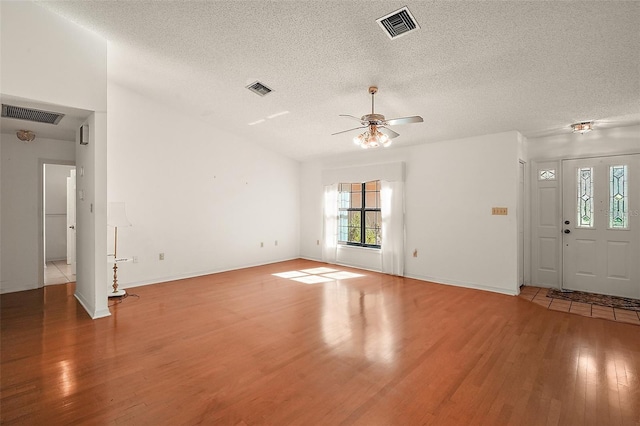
(398, 23)
(29, 114)
(259, 88)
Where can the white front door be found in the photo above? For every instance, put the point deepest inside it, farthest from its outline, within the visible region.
(71, 221)
(601, 225)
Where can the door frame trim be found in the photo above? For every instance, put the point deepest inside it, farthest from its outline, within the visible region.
(40, 204)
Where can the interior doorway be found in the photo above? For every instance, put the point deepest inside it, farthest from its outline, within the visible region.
(58, 216)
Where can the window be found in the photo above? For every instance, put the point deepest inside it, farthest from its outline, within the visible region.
(359, 218)
(585, 197)
(618, 198)
(547, 174)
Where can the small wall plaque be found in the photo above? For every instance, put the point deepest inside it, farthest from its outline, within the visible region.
(499, 211)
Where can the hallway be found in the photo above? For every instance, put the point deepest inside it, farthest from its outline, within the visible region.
(58, 272)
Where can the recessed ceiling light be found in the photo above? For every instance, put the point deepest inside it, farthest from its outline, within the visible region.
(583, 127)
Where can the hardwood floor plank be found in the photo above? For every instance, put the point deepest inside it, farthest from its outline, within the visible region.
(246, 347)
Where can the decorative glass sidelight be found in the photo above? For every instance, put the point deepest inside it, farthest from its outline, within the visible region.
(618, 198)
(585, 197)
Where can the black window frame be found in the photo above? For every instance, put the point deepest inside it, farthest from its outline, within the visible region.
(363, 211)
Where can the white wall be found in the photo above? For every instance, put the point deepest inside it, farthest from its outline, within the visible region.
(55, 210)
(450, 188)
(21, 176)
(48, 59)
(204, 198)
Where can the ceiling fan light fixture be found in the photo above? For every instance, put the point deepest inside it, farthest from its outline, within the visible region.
(372, 138)
(583, 127)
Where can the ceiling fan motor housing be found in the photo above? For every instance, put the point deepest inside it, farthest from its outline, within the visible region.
(377, 119)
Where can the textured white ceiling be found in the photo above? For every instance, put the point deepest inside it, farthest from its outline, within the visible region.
(473, 68)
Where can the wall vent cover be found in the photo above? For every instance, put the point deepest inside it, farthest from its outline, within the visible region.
(259, 88)
(398, 23)
(29, 114)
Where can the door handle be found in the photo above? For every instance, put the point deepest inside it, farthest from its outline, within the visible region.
(567, 231)
(72, 227)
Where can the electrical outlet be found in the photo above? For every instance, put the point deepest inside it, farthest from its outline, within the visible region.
(261, 244)
(317, 242)
(276, 242)
(161, 256)
(135, 259)
(415, 253)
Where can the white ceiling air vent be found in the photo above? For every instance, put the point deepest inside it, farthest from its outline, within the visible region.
(398, 23)
(259, 88)
(28, 114)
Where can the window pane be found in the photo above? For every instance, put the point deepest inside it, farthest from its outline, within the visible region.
(585, 197)
(618, 197)
(344, 200)
(373, 224)
(355, 227)
(371, 186)
(356, 200)
(372, 200)
(343, 227)
(356, 187)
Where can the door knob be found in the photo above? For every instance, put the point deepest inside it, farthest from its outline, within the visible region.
(566, 222)
(567, 231)
(72, 227)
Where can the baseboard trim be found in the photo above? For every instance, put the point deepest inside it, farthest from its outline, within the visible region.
(92, 313)
(464, 284)
(161, 280)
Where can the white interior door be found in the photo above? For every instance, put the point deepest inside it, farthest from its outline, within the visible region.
(601, 225)
(71, 221)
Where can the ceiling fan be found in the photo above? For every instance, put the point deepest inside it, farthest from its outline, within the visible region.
(377, 132)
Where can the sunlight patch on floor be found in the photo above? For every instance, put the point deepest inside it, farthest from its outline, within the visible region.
(317, 275)
(312, 279)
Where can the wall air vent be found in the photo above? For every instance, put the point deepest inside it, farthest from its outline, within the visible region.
(28, 114)
(259, 88)
(398, 23)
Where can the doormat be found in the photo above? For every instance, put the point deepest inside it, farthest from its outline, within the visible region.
(596, 299)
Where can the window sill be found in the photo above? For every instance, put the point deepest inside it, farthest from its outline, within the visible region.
(348, 247)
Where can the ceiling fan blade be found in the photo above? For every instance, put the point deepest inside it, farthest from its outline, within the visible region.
(388, 132)
(404, 120)
(345, 131)
(350, 116)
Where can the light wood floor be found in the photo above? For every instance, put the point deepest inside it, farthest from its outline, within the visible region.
(247, 347)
